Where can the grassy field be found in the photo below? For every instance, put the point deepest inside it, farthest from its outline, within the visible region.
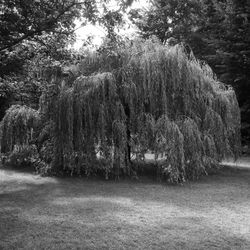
(50, 213)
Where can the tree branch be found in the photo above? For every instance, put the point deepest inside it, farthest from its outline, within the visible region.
(46, 26)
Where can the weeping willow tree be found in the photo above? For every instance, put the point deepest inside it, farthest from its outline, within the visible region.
(147, 97)
(18, 127)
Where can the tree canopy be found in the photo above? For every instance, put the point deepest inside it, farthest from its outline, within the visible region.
(146, 97)
(216, 31)
(26, 20)
(34, 39)
(103, 111)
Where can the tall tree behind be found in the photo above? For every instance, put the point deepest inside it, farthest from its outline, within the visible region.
(217, 31)
(34, 34)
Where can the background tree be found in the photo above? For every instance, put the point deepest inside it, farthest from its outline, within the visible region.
(34, 40)
(29, 30)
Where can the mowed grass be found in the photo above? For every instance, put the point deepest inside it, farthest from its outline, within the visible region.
(75, 213)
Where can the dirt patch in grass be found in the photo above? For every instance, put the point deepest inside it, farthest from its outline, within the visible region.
(50, 213)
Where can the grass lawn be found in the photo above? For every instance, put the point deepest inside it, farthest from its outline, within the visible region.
(74, 213)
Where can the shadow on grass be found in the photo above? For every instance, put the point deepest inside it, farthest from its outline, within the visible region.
(66, 213)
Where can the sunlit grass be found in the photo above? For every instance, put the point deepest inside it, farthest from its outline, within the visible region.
(48, 213)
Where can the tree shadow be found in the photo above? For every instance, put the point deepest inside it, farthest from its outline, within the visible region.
(81, 204)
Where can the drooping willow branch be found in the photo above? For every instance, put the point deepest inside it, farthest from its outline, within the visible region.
(144, 97)
(156, 99)
(18, 127)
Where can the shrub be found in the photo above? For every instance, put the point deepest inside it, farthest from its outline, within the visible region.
(22, 156)
(18, 127)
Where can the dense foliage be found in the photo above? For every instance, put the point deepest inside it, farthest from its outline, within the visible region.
(155, 99)
(35, 36)
(18, 127)
(216, 31)
(104, 112)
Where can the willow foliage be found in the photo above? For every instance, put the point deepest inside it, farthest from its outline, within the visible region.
(18, 127)
(146, 97)
(89, 120)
